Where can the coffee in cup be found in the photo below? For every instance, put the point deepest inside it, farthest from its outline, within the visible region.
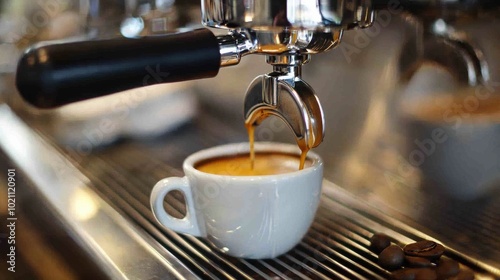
(251, 139)
(238, 212)
(241, 164)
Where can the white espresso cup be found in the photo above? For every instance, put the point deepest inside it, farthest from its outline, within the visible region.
(254, 217)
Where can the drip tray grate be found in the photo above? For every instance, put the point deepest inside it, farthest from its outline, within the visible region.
(336, 246)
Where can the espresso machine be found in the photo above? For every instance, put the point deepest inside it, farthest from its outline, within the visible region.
(287, 33)
(374, 175)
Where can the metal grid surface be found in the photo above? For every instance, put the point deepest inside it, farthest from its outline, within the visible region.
(336, 246)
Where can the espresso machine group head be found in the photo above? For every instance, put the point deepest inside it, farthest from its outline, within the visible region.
(287, 32)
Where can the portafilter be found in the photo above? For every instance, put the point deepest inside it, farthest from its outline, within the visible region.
(287, 32)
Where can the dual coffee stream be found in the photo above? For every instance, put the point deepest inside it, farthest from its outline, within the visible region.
(253, 164)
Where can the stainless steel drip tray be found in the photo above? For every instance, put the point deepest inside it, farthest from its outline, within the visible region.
(123, 174)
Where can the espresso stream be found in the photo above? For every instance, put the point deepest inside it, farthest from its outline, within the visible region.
(251, 139)
(269, 163)
(254, 164)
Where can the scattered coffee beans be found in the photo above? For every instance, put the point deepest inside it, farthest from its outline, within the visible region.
(464, 275)
(391, 257)
(425, 249)
(379, 242)
(418, 260)
(426, 274)
(404, 274)
(447, 268)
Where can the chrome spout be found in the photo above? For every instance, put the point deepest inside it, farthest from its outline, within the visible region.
(284, 94)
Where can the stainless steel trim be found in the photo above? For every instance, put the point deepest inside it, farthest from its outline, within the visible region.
(309, 258)
(346, 236)
(103, 232)
(235, 45)
(335, 247)
(367, 223)
(308, 268)
(360, 267)
(293, 14)
(289, 268)
(273, 269)
(258, 271)
(284, 94)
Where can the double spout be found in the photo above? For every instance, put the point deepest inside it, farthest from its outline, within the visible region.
(284, 94)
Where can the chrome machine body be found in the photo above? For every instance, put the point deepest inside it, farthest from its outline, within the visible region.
(287, 32)
(386, 169)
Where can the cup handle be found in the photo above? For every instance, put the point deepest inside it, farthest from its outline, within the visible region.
(188, 224)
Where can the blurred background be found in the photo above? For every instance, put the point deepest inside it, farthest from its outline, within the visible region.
(411, 148)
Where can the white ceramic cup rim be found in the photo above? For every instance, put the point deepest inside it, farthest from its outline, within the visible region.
(244, 148)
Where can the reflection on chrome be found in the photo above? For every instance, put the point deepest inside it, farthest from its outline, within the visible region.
(104, 233)
(82, 205)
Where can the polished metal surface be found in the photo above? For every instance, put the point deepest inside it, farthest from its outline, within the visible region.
(235, 45)
(248, 41)
(370, 183)
(336, 246)
(280, 27)
(120, 248)
(284, 94)
(287, 32)
(291, 28)
(368, 142)
(133, 245)
(293, 14)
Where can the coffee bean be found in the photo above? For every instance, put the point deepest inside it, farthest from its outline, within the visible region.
(404, 274)
(415, 274)
(420, 246)
(391, 257)
(463, 275)
(418, 259)
(379, 242)
(447, 268)
(426, 274)
(417, 262)
(425, 249)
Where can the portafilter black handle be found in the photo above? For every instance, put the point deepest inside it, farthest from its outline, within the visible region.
(53, 75)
